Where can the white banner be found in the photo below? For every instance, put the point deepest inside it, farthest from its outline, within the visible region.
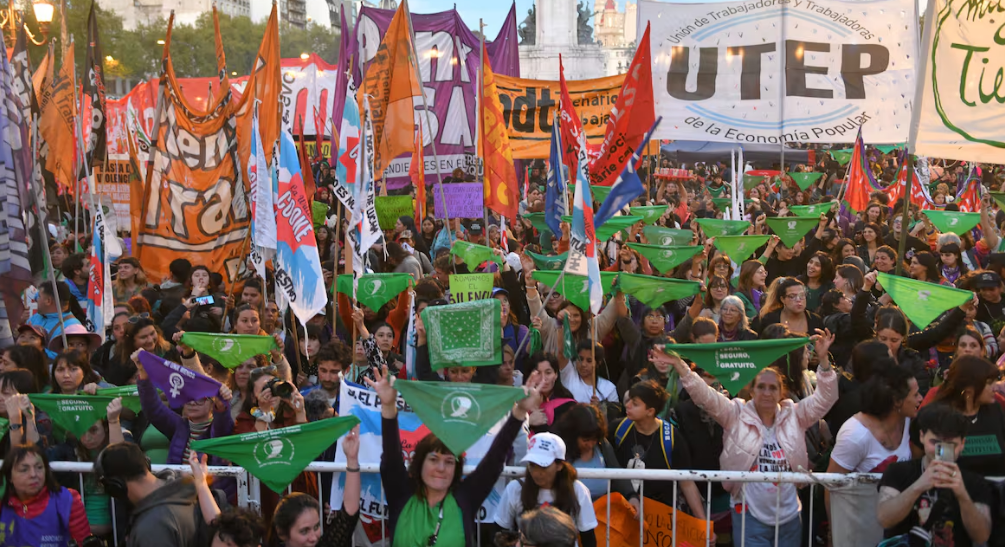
(717, 69)
(364, 404)
(961, 95)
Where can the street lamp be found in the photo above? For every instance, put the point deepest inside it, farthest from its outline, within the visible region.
(11, 18)
(304, 56)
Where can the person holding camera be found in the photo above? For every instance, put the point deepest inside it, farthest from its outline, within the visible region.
(930, 500)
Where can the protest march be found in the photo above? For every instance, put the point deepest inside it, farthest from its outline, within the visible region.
(746, 289)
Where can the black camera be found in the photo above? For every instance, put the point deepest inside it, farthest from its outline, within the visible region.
(280, 388)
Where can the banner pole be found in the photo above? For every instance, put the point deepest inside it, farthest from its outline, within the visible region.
(44, 238)
(902, 244)
(478, 129)
(339, 213)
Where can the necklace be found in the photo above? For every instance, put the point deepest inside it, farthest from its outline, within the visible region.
(640, 453)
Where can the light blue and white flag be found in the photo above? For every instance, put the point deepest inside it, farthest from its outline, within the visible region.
(347, 161)
(263, 213)
(582, 239)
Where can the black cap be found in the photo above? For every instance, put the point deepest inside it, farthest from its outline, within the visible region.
(987, 280)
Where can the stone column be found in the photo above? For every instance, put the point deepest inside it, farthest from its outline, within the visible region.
(556, 23)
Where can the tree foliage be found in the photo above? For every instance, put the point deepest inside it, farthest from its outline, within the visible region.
(136, 53)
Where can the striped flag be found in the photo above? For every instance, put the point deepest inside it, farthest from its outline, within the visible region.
(583, 242)
(628, 185)
(263, 212)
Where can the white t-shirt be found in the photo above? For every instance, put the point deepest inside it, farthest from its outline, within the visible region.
(510, 507)
(583, 392)
(858, 451)
(762, 497)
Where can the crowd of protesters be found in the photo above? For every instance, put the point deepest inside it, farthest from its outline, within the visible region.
(870, 393)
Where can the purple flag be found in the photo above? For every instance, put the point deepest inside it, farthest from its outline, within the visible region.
(341, 79)
(448, 55)
(180, 384)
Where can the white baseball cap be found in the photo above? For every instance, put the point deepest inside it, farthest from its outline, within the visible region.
(544, 448)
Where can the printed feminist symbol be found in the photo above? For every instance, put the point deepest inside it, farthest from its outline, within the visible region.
(177, 383)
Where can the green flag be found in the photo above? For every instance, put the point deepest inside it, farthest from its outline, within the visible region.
(717, 191)
(922, 301)
(723, 204)
(953, 221)
(814, 210)
(575, 288)
(319, 212)
(613, 225)
(656, 291)
(229, 349)
(277, 456)
(666, 257)
(657, 235)
(568, 342)
(465, 334)
(649, 214)
(374, 290)
(75, 413)
(130, 396)
(599, 193)
(791, 229)
(841, 156)
(736, 363)
(537, 220)
(474, 255)
(550, 262)
(739, 248)
(750, 181)
(805, 180)
(1000, 198)
(458, 413)
(887, 148)
(714, 227)
(468, 287)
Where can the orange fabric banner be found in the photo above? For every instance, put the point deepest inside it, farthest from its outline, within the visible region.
(624, 525)
(502, 193)
(194, 205)
(59, 111)
(391, 83)
(265, 84)
(660, 531)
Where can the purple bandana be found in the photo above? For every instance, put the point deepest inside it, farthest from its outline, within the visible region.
(180, 384)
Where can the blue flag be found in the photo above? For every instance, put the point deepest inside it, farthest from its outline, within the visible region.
(558, 173)
(627, 187)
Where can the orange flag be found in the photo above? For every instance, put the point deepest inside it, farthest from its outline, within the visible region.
(306, 171)
(265, 84)
(417, 172)
(501, 190)
(59, 110)
(391, 84)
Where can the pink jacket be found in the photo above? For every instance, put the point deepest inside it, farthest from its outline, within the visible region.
(742, 438)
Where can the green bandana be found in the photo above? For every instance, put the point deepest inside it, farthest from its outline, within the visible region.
(277, 456)
(229, 349)
(656, 291)
(374, 290)
(130, 396)
(953, 221)
(921, 301)
(791, 229)
(723, 204)
(465, 334)
(458, 413)
(739, 248)
(474, 255)
(75, 413)
(750, 181)
(812, 210)
(553, 262)
(666, 257)
(390, 208)
(656, 235)
(599, 193)
(717, 191)
(649, 214)
(319, 212)
(535, 344)
(805, 180)
(999, 197)
(575, 288)
(418, 521)
(714, 227)
(736, 363)
(537, 220)
(841, 156)
(612, 226)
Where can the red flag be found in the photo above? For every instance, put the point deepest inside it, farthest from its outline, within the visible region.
(632, 116)
(860, 179)
(571, 128)
(319, 135)
(310, 187)
(417, 172)
(970, 199)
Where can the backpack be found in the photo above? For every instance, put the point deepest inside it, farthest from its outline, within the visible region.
(626, 425)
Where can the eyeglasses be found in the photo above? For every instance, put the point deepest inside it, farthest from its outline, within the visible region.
(796, 297)
(139, 317)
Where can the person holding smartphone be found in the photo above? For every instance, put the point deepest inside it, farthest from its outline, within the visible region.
(931, 499)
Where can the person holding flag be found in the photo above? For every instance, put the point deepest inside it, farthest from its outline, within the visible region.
(430, 503)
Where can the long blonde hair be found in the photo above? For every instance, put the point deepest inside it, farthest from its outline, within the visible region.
(139, 280)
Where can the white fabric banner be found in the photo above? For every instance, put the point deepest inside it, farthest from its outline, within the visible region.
(718, 69)
(960, 96)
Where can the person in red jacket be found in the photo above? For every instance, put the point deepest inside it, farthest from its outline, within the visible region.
(34, 505)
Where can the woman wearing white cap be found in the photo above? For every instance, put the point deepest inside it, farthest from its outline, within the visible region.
(550, 480)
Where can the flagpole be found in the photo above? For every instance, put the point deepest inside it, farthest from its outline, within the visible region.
(44, 238)
(425, 109)
(565, 187)
(339, 213)
(902, 244)
(478, 126)
(543, 302)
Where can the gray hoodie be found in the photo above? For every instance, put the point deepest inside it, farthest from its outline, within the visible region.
(170, 516)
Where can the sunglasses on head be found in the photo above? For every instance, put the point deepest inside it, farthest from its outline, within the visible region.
(137, 318)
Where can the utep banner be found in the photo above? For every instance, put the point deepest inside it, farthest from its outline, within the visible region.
(529, 107)
(959, 105)
(717, 69)
(363, 403)
(448, 58)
